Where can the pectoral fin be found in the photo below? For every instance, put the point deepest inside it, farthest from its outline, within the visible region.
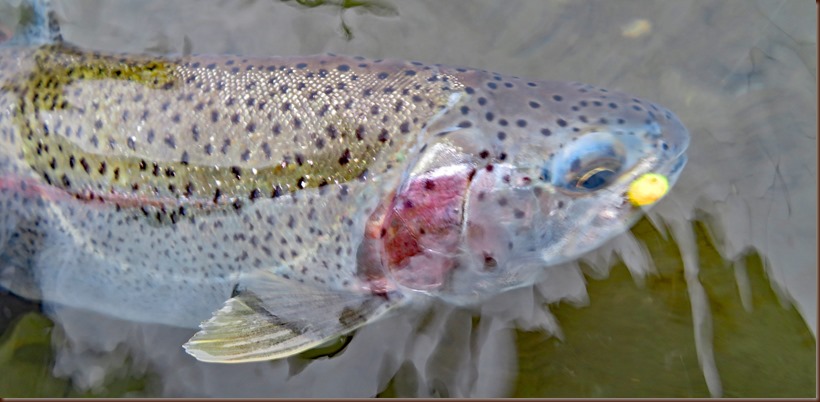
(273, 318)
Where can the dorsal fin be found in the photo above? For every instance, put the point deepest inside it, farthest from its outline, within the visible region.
(39, 24)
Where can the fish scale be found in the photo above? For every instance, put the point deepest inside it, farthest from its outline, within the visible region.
(71, 109)
(305, 195)
(93, 119)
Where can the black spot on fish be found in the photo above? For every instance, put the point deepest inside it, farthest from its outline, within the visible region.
(345, 158)
(277, 191)
(332, 131)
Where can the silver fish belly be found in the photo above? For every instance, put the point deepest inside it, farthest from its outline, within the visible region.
(312, 193)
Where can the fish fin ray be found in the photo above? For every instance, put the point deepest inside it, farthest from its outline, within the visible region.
(275, 318)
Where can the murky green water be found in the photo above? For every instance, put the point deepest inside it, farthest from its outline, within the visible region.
(742, 77)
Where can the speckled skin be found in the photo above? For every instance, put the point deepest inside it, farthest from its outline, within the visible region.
(145, 187)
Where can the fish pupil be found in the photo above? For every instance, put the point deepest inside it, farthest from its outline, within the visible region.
(595, 179)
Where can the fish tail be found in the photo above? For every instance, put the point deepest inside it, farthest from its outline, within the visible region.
(39, 24)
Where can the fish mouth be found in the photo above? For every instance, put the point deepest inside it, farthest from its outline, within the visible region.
(620, 214)
(670, 168)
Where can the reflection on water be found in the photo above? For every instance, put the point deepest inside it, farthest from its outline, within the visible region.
(373, 7)
(740, 74)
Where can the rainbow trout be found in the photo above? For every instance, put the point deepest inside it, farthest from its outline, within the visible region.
(306, 196)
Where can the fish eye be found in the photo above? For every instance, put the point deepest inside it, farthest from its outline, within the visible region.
(590, 163)
(595, 178)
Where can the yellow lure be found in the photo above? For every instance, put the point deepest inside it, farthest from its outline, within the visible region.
(648, 189)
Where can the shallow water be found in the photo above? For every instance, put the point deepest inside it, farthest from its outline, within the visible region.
(682, 318)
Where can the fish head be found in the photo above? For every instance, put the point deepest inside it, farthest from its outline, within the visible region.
(519, 176)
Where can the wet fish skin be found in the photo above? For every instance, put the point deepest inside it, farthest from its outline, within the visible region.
(123, 148)
(154, 189)
(518, 145)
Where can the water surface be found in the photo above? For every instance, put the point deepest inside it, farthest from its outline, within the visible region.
(720, 300)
